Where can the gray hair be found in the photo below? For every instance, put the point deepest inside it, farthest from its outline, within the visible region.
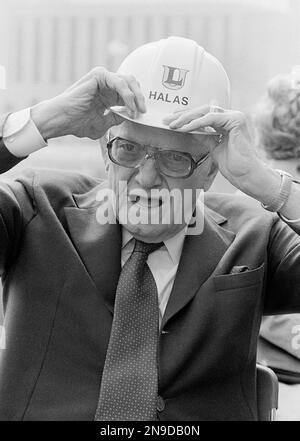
(278, 118)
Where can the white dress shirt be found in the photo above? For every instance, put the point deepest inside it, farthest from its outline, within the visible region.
(163, 264)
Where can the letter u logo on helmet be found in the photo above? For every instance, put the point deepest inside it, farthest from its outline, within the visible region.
(175, 73)
(174, 77)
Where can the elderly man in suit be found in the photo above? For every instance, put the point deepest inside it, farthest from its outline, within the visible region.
(129, 320)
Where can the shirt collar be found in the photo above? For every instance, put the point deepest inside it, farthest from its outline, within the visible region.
(173, 244)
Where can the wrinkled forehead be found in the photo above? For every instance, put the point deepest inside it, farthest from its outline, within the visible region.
(161, 138)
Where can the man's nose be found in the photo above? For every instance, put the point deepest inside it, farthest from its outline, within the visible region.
(148, 176)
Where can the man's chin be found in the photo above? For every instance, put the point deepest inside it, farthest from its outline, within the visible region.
(150, 233)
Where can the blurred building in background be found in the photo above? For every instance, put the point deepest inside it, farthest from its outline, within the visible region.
(46, 45)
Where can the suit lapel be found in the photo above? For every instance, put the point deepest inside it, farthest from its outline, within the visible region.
(200, 255)
(99, 246)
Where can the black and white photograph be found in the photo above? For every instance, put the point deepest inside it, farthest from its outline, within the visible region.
(149, 213)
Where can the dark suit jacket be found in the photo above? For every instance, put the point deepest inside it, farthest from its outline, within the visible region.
(60, 270)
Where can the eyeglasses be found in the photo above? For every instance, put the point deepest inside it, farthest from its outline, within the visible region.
(171, 163)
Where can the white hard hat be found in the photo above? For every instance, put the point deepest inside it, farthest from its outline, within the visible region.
(175, 74)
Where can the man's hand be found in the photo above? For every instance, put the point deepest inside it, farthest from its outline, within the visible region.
(83, 109)
(235, 155)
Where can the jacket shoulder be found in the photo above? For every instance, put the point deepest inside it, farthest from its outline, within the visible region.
(57, 186)
(239, 208)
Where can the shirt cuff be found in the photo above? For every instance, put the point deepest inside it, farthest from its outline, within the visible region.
(20, 135)
(289, 221)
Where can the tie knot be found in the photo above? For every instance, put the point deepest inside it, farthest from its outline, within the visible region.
(146, 248)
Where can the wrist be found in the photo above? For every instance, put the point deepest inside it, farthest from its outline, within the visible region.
(263, 183)
(47, 119)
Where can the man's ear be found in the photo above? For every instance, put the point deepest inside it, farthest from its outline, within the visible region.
(103, 145)
(210, 175)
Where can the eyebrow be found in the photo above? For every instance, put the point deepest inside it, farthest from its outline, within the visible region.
(137, 142)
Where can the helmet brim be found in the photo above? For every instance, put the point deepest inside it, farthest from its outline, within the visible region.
(151, 120)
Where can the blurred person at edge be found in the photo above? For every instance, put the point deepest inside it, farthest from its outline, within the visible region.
(68, 278)
(277, 120)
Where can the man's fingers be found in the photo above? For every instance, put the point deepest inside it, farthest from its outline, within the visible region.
(128, 90)
(187, 116)
(221, 122)
(172, 116)
(121, 86)
(138, 96)
(202, 123)
(190, 126)
(114, 83)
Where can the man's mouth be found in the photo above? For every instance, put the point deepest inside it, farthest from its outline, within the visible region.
(145, 202)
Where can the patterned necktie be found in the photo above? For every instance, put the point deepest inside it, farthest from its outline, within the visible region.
(129, 381)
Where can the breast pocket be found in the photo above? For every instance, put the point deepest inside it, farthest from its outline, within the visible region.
(241, 280)
(235, 308)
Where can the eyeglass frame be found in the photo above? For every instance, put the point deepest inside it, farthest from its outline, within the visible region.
(194, 164)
